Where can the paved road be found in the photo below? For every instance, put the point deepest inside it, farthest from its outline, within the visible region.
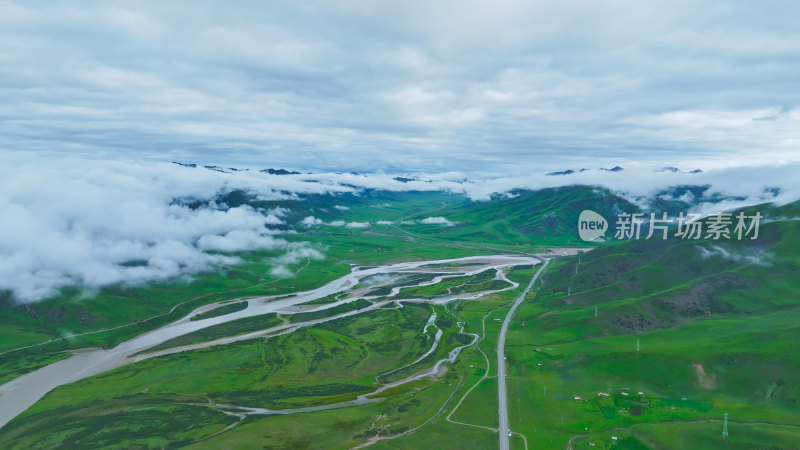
(501, 363)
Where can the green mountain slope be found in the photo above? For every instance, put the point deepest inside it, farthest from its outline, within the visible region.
(715, 324)
(544, 217)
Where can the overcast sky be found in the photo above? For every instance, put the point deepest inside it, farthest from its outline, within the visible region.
(434, 86)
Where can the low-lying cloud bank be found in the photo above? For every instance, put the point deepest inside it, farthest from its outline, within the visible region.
(436, 221)
(95, 222)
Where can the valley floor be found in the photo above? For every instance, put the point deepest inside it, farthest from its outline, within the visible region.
(626, 346)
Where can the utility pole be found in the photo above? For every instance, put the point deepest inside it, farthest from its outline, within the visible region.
(725, 425)
(637, 344)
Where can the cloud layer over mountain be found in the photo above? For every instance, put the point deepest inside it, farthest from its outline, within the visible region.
(97, 222)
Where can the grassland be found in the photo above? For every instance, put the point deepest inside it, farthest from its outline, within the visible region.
(119, 313)
(78, 319)
(221, 311)
(232, 328)
(482, 281)
(318, 365)
(715, 329)
(715, 334)
(330, 312)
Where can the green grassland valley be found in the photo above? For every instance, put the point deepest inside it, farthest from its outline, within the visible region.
(400, 225)
(387, 335)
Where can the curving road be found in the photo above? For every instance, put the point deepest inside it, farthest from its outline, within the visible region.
(502, 404)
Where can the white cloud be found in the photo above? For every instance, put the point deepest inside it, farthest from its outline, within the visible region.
(280, 272)
(337, 223)
(273, 216)
(311, 221)
(357, 225)
(715, 251)
(341, 208)
(295, 254)
(68, 221)
(384, 222)
(436, 221)
(238, 240)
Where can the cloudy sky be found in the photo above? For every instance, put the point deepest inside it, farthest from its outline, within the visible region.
(96, 98)
(404, 86)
